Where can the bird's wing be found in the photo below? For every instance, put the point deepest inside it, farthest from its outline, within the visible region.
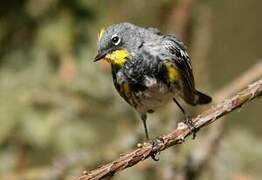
(181, 59)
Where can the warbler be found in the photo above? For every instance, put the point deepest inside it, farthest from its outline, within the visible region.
(149, 69)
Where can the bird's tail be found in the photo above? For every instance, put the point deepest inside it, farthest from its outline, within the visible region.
(195, 97)
(201, 98)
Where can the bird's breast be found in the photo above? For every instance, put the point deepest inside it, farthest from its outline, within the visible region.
(147, 97)
(153, 97)
(146, 85)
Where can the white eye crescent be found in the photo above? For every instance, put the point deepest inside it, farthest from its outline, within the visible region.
(115, 39)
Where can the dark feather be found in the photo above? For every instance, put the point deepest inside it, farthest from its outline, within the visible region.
(180, 59)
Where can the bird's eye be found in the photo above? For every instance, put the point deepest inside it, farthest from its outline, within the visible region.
(115, 39)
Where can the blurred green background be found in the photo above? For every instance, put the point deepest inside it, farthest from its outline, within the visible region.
(60, 113)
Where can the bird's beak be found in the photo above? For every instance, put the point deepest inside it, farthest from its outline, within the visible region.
(100, 56)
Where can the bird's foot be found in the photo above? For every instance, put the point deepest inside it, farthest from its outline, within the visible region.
(156, 145)
(188, 121)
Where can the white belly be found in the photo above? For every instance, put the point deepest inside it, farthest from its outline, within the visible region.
(153, 98)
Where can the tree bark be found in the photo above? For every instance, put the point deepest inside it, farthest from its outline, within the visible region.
(251, 92)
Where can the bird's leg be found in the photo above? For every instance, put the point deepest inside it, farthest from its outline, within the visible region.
(188, 121)
(143, 118)
(155, 142)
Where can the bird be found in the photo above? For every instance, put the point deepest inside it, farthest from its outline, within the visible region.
(149, 69)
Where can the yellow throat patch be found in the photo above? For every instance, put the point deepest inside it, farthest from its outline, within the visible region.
(173, 72)
(118, 57)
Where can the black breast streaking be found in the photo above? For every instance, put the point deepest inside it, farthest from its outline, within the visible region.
(138, 70)
(141, 82)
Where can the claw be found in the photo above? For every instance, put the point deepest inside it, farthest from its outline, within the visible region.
(188, 121)
(156, 145)
(153, 156)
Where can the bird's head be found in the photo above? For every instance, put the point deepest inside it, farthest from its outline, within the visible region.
(117, 42)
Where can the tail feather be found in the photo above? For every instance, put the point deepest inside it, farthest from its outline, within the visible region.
(202, 98)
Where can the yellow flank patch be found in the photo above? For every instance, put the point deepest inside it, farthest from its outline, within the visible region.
(118, 57)
(126, 89)
(100, 34)
(172, 71)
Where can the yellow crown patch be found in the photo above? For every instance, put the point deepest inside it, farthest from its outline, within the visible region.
(100, 34)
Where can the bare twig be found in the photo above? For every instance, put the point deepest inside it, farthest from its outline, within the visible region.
(252, 74)
(201, 154)
(178, 135)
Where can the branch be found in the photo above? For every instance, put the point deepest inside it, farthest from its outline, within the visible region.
(177, 136)
(201, 155)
